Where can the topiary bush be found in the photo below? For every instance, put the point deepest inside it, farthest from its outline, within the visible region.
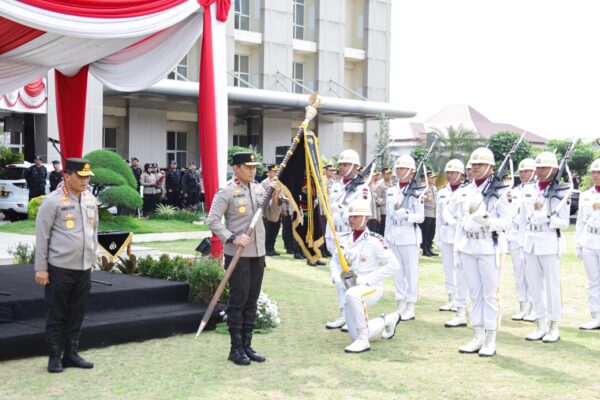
(113, 183)
(33, 207)
(205, 274)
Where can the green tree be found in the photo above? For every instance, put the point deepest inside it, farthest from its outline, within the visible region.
(113, 182)
(502, 142)
(452, 143)
(383, 138)
(8, 157)
(582, 156)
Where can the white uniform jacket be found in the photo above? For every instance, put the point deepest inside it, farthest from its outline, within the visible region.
(445, 220)
(516, 233)
(369, 257)
(587, 230)
(401, 227)
(542, 223)
(340, 200)
(481, 222)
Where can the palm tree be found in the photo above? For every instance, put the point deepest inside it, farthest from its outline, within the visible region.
(453, 143)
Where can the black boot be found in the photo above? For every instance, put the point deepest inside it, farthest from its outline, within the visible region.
(253, 355)
(54, 363)
(72, 357)
(237, 354)
(431, 253)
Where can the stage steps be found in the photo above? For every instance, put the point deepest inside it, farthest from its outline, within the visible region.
(131, 308)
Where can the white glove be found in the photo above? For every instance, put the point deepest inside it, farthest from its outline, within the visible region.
(402, 214)
(539, 218)
(579, 252)
(471, 225)
(482, 218)
(337, 280)
(555, 222)
(362, 280)
(457, 263)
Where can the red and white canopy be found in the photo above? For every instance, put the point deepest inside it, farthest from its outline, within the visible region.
(31, 98)
(127, 45)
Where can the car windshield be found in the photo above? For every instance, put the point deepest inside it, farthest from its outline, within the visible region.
(11, 174)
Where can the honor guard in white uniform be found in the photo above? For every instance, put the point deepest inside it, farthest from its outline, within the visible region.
(339, 199)
(371, 262)
(587, 244)
(542, 246)
(403, 234)
(515, 241)
(447, 202)
(480, 245)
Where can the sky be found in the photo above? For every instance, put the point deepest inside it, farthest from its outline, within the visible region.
(530, 63)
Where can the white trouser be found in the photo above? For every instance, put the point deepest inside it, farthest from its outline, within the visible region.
(462, 289)
(407, 277)
(339, 286)
(358, 300)
(518, 262)
(482, 276)
(543, 275)
(591, 262)
(447, 250)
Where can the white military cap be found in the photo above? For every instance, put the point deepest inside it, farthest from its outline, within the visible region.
(349, 156)
(482, 155)
(527, 164)
(359, 207)
(546, 159)
(455, 165)
(405, 161)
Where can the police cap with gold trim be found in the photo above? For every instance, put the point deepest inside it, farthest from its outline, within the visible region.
(246, 158)
(78, 165)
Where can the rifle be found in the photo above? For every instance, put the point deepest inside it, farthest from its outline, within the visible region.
(551, 191)
(360, 178)
(411, 189)
(493, 186)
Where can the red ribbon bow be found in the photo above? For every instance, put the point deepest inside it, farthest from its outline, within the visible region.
(223, 7)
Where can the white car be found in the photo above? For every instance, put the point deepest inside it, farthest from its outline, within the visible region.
(14, 195)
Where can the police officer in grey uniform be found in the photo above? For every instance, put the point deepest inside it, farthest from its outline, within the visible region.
(238, 201)
(66, 245)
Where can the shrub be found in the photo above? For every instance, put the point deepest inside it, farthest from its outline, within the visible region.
(7, 156)
(34, 206)
(105, 216)
(164, 211)
(204, 277)
(186, 216)
(23, 253)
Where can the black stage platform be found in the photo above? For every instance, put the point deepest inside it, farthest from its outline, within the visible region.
(131, 308)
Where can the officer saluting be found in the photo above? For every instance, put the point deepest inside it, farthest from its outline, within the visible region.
(66, 244)
(36, 178)
(238, 201)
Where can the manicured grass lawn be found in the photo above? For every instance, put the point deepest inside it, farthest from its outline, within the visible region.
(121, 223)
(306, 361)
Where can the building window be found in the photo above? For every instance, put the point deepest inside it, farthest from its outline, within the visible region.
(180, 72)
(299, 19)
(298, 77)
(177, 148)
(11, 134)
(109, 139)
(242, 70)
(242, 15)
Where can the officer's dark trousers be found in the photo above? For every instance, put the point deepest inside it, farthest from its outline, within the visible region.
(271, 232)
(173, 198)
(428, 232)
(66, 298)
(286, 232)
(149, 204)
(245, 284)
(37, 191)
(381, 230)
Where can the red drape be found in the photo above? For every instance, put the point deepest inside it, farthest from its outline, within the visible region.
(105, 8)
(71, 97)
(207, 121)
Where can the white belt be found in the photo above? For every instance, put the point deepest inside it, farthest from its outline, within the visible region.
(593, 230)
(478, 235)
(538, 228)
(515, 226)
(401, 223)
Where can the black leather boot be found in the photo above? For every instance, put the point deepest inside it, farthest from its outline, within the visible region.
(253, 355)
(72, 357)
(54, 363)
(237, 354)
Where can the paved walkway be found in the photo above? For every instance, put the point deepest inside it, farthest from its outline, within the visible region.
(11, 240)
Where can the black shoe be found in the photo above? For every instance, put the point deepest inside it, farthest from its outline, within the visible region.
(431, 253)
(252, 355)
(299, 256)
(289, 252)
(426, 253)
(275, 253)
(72, 358)
(320, 263)
(237, 354)
(269, 254)
(54, 363)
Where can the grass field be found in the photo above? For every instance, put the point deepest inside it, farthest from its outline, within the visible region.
(307, 361)
(135, 225)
